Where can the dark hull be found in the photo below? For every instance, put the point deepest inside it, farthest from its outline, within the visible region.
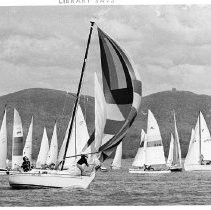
(175, 169)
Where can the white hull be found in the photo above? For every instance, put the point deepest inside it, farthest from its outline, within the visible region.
(141, 171)
(115, 168)
(49, 180)
(196, 167)
(103, 169)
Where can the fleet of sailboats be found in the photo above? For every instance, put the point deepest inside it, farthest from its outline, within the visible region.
(117, 100)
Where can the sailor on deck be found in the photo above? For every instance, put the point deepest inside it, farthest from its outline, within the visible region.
(26, 166)
(82, 163)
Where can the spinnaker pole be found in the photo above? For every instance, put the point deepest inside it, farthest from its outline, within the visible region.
(78, 93)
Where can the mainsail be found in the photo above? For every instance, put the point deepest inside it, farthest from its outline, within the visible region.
(139, 159)
(27, 151)
(17, 146)
(78, 139)
(3, 143)
(44, 149)
(154, 148)
(53, 151)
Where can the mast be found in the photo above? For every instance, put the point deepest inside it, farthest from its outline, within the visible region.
(78, 93)
(200, 137)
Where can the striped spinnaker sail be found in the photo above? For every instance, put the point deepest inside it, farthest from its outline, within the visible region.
(122, 90)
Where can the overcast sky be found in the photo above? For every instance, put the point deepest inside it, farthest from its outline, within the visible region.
(44, 46)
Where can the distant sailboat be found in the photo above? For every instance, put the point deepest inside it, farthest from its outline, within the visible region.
(122, 96)
(44, 149)
(27, 151)
(153, 148)
(174, 159)
(3, 145)
(139, 159)
(199, 156)
(53, 151)
(191, 138)
(117, 162)
(17, 146)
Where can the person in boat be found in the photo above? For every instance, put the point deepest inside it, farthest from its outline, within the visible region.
(148, 168)
(26, 166)
(82, 162)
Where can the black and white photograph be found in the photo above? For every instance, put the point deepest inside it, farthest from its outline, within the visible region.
(105, 104)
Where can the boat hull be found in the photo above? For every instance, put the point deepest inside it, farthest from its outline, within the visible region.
(115, 168)
(27, 180)
(175, 169)
(197, 167)
(141, 171)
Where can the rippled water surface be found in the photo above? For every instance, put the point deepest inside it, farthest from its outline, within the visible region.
(119, 188)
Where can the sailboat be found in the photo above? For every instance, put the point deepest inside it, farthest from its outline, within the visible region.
(116, 164)
(199, 156)
(53, 151)
(44, 150)
(27, 151)
(120, 103)
(153, 149)
(3, 146)
(174, 158)
(17, 146)
(139, 159)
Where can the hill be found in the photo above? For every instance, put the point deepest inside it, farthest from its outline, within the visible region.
(48, 106)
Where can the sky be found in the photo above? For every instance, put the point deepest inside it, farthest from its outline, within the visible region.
(44, 46)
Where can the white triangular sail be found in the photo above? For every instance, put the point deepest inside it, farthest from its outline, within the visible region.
(117, 162)
(53, 151)
(3, 143)
(27, 151)
(44, 149)
(191, 138)
(17, 146)
(78, 139)
(194, 153)
(139, 159)
(154, 148)
(170, 156)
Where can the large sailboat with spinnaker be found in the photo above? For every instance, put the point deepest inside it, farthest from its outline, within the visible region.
(117, 106)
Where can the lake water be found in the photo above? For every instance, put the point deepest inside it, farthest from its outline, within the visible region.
(119, 188)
